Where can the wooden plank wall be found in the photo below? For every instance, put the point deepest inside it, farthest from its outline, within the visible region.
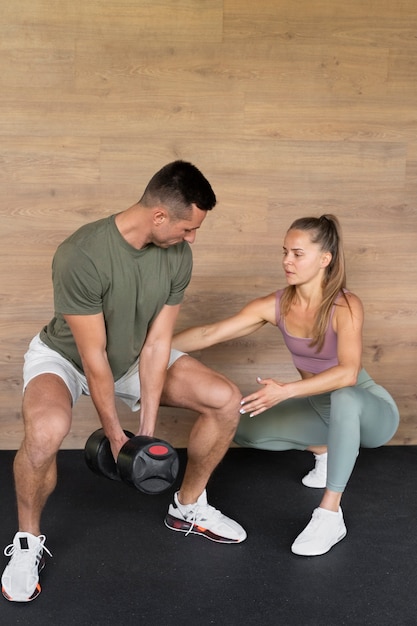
(290, 108)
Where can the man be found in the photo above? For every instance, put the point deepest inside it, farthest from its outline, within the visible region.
(118, 286)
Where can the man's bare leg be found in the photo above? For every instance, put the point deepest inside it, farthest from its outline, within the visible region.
(47, 419)
(192, 385)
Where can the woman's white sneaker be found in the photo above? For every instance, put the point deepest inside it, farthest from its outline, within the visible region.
(325, 529)
(317, 477)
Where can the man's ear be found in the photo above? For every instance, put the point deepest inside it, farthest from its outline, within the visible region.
(159, 216)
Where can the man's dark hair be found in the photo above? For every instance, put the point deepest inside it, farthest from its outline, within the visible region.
(177, 186)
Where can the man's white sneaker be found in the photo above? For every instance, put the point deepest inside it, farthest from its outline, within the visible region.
(20, 580)
(325, 529)
(318, 475)
(202, 519)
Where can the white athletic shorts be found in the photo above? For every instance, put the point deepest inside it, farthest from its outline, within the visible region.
(40, 359)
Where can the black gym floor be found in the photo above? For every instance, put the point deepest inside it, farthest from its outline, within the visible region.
(114, 562)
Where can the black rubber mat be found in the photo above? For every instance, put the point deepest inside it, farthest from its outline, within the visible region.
(114, 562)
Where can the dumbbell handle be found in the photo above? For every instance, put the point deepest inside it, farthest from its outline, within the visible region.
(99, 457)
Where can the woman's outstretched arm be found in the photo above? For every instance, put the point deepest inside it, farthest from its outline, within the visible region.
(253, 316)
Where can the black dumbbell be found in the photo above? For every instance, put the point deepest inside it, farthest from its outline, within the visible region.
(146, 463)
(99, 457)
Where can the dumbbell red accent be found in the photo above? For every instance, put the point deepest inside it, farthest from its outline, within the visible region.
(158, 450)
(146, 463)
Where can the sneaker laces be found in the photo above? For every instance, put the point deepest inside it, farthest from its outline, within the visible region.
(21, 556)
(197, 516)
(315, 518)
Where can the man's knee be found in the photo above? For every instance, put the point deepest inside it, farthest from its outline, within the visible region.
(47, 414)
(44, 434)
(219, 399)
(225, 400)
(40, 451)
(193, 385)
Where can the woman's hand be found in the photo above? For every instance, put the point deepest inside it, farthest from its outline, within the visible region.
(271, 393)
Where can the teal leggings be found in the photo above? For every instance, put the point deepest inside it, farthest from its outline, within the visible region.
(343, 420)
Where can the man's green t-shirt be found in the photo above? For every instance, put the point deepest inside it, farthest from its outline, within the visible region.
(96, 270)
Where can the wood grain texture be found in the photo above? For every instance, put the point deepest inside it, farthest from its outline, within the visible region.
(289, 108)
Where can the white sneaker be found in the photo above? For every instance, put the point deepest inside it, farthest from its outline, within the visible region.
(318, 475)
(20, 580)
(202, 519)
(325, 529)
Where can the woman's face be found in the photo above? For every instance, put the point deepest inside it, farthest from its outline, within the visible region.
(303, 261)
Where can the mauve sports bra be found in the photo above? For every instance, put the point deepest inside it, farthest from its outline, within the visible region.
(303, 355)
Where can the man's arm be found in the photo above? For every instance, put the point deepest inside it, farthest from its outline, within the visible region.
(90, 336)
(153, 366)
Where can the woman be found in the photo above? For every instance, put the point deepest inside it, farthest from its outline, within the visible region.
(335, 406)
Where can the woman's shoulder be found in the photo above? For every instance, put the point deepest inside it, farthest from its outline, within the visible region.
(262, 308)
(347, 297)
(277, 294)
(348, 303)
(268, 298)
